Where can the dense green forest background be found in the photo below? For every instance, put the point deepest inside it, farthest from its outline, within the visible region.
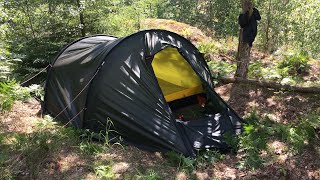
(33, 31)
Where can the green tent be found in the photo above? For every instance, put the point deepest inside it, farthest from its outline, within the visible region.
(135, 82)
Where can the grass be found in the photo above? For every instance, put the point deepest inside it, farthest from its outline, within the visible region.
(27, 151)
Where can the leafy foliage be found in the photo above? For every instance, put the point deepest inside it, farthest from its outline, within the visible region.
(256, 70)
(182, 162)
(208, 157)
(220, 69)
(87, 145)
(289, 23)
(294, 64)
(104, 172)
(10, 91)
(189, 164)
(253, 142)
(150, 175)
(219, 16)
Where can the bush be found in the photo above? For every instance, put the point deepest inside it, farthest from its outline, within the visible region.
(207, 48)
(252, 142)
(183, 163)
(256, 70)
(294, 64)
(257, 132)
(220, 69)
(11, 91)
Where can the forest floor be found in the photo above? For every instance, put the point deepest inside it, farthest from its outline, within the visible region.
(70, 161)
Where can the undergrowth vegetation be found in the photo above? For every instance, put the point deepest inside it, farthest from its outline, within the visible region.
(27, 152)
(283, 66)
(31, 152)
(252, 146)
(294, 64)
(286, 68)
(11, 91)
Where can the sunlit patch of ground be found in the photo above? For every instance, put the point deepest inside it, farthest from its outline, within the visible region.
(193, 34)
(279, 106)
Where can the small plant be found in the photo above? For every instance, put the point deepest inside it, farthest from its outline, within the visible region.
(150, 175)
(232, 142)
(208, 157)
(256, 70)
(250, 143)
(294, 64)
(87, 145)
(298, 136)
(183, 163)
(208, 48)
(104, 172)
(109, 127)
(220, 69)
(11, 91)
(186, 33)
(7, 95)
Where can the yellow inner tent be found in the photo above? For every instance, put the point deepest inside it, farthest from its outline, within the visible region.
(175, 76)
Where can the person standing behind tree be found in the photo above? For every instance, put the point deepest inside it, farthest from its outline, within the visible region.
(248, 23)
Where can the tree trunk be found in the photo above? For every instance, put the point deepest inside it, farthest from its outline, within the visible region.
(266, 45)
(27, 13)
(51, 10)
(81, 18)
(243, 56)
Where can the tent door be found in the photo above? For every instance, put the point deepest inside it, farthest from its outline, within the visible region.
(175, 76)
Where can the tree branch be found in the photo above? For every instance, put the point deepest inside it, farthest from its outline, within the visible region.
(273, 85)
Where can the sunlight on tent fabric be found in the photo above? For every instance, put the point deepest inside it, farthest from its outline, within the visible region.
(175, 76)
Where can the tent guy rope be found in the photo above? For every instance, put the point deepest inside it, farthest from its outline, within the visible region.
(49, 65)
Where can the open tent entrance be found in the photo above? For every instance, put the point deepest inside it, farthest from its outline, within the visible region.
(180, 85)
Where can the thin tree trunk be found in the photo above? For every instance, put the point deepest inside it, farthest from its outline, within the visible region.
(51, 9)
(266, 45)
(81, 18)
(243, 56)
(27, 13)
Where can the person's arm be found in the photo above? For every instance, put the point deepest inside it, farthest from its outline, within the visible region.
(243, 19)
(256, 14)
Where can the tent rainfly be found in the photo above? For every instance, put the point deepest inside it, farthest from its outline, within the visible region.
(132, 82)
